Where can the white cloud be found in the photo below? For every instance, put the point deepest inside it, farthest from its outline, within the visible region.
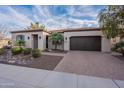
(21, 18)
(40, 10)
(82, 11)
(18, 15)
(84, 22)
(43, 11)
(13, 21)
(16, 20)
(57, 22)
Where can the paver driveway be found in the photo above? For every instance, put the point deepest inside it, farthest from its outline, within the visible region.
(92, 64)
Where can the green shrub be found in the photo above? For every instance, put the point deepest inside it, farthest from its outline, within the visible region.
(1, 51)
(56, 38)
(36, 53)
(19, 43)
(16, 50)
(27, 51)
(119, 47)
(113, 49)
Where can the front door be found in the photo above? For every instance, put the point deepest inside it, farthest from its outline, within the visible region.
(35, 41)
(46, 41)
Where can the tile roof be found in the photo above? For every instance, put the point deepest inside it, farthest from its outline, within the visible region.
(60, 30)
(76, 29)
(29, 30)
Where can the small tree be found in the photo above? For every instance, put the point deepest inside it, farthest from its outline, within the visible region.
(56, 38)
(111, 20)
(20, 43)
(36, 25)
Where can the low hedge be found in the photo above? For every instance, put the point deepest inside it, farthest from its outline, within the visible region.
(27, 51)
(16, 50)
(36, 53)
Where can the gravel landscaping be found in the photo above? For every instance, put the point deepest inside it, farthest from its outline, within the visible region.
(47, 62)
(55, 51)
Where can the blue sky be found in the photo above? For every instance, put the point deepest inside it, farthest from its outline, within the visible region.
(52, 16)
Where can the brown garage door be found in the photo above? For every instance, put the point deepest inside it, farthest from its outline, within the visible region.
(86, 43)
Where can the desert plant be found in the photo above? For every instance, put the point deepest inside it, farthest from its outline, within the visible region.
(56, 38)
(119, 47)
(16, 50)
(1, 51)
(36, 53)
(19, 43)
(27, 51)
(36, 25)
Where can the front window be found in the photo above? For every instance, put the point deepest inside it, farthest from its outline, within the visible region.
(20, 37)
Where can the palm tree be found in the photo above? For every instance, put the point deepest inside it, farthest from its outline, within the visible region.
(56, 39)
(111, 20)
(36, 25)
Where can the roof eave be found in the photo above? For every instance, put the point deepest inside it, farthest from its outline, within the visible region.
(35, 30)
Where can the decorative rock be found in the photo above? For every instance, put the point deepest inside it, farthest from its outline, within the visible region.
(19, 59)
(32, 58)
(2, 57)
(11, 61)
(49, 50)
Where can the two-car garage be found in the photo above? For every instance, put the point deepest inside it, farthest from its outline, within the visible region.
(85, 43)
(83, 39)
(86, 39)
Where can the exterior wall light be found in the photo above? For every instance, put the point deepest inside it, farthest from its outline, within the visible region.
(65, 38)
(28, 37)
(39, 37)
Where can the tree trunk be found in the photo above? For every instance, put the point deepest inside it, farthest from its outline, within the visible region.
(55, 46)
(122, 51)
(123, 54)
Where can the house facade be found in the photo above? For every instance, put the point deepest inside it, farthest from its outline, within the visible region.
(32, 38)
(84, 39)
(81, 39)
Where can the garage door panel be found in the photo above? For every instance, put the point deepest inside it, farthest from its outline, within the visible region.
(86, 43)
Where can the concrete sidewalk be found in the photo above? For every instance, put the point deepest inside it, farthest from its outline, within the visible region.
(54, 54)
(15, 76)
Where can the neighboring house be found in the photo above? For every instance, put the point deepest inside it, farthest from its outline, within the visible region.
(4, 42)
(85, 39)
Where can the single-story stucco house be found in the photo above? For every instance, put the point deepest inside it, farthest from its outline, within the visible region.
(85, 39)
(33, 38)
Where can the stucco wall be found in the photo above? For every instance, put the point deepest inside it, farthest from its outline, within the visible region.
(51, 46)
(29, 42)
(104, 43)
